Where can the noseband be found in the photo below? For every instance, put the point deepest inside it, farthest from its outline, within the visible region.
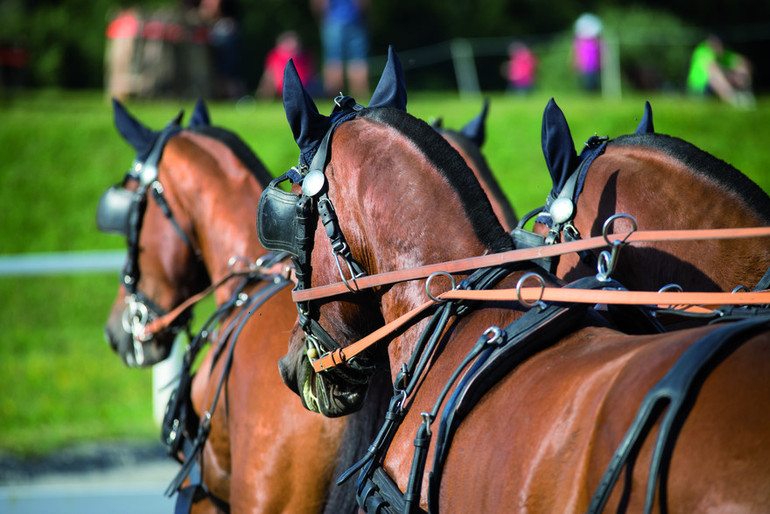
(287, 222)
(121, 211)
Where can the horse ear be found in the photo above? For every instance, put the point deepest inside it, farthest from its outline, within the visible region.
(178, 118)
(200, 116)
(558, 146)
(391, 89)
(138, 135)
(645, 125)
(307, 125)
(475, 130)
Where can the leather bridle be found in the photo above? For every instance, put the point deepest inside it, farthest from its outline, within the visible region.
(287, 222)
(122, 211)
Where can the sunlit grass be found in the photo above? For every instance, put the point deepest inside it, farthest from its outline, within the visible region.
(61, 382)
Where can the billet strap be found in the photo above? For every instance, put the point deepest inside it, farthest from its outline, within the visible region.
(529, 295)
(525, 254)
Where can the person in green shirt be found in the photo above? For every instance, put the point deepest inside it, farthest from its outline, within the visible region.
(716, 70)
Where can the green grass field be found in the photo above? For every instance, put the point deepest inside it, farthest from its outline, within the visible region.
(60, 150)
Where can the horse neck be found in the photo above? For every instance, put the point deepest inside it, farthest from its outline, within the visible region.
(472, 155)
(663, 192)
(398, 210)
(676, 194)
(221, 195)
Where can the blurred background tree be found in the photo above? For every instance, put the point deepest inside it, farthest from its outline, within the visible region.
(64, 40)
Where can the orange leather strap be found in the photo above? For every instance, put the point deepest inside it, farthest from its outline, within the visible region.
(158, 324)
(524, 254)
(552, 294)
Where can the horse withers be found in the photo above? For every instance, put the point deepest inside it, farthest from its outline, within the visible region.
(188, 210)
(550, 394)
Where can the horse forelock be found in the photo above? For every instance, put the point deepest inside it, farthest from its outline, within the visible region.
(239, 148)
(706, 165)
(448, 161)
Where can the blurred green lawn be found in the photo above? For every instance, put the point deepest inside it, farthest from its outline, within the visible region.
(60, 150)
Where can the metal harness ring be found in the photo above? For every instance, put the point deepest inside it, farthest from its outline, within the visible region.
(353, 276)
(608, 224)
(672, 287)
(427, 285)
(520, 283)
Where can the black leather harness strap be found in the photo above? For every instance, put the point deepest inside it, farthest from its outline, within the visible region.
(673, 390)
(493, 357)
(196, 446)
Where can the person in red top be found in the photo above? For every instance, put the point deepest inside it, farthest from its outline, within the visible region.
(122, 33)
(521, 68)
(288, 46)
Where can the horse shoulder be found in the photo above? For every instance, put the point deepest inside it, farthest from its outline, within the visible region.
(554, 399)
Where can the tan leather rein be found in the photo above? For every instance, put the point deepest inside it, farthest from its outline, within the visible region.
(157, 325)
(531, 295)
(524, 254)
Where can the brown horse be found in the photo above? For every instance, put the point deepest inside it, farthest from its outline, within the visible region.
(555, 407)
(264, 453)
(468, 142)
(664, 183)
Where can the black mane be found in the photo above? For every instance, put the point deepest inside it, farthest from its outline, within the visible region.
(239, 148)
(705, 164)
(445, 158)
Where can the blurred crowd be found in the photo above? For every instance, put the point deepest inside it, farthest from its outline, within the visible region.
(195, 50)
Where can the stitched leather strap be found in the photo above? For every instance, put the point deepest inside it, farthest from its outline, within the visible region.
(549, 294)
(525, 254)
(158, 324)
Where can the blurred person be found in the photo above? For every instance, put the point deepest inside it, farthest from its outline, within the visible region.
(716, 70)
(288, 46)
(123, 32)
(225, 40)
(521, 68)
(587, 51)
(345, 41)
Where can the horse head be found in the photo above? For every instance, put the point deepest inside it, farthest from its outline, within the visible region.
(332, 394)
(468, 142)
(348, 159)
(162, 267)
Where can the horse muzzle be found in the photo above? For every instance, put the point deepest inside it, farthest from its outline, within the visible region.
(323, 393)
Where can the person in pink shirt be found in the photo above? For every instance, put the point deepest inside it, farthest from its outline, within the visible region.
(521, 68)
(288, 46)
(587, 51)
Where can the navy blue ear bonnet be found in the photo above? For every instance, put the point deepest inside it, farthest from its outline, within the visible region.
(139, 136)
(309, 126)
(559, 149)
(200, 116)
(475, 130)
(558, 146)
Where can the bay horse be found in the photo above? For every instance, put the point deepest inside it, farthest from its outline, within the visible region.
(264, 452)
(468, 142)
(538, 432)
(664, 182)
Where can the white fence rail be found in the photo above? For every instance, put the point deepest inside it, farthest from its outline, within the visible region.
(58, 263)
(164, 374)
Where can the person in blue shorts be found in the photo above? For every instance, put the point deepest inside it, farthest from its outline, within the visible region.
(345, 40)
